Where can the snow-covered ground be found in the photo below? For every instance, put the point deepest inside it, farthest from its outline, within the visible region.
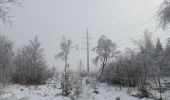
(51, 91)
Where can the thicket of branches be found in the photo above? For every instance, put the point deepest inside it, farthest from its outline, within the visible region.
(134, 67)
(30, 64)
(26, 66)
(5, 10)
(6, 59)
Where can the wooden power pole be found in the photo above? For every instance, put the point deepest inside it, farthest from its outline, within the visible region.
(88, 65)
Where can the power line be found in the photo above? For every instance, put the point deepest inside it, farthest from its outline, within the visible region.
(131, 27)
(135, 34)
(135, 25)
(131, 18)
(127, 19)
(131, 8)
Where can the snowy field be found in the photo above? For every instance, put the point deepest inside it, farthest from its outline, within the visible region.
(51, 91)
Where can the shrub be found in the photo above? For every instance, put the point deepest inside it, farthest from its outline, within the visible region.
(96, 91)
(117, 98)
(144, 92)
(77, 87)
(87, 81)
(66, 84)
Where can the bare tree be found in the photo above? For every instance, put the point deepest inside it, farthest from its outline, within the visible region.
(30, 64)
(106, 50)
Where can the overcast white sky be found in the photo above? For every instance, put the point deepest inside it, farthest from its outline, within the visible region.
(120, 20)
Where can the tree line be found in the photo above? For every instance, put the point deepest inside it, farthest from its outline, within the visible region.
(134, 67)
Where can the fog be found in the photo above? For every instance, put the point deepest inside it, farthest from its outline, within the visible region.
(121, 20)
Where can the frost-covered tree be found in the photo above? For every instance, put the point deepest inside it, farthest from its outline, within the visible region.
(145, 44)
(145, 56)
(166, 59)
(31, 67)
(158, 47)
(132, 68)
(6, 58)
(164, 14)
(5, 8)
(66, 46)
(106, 51)
(123, 71)
(158, 59)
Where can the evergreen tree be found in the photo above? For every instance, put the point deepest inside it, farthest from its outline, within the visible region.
(158, 47)
(166, 59)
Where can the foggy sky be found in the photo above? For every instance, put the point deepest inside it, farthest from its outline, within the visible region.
(120, 20)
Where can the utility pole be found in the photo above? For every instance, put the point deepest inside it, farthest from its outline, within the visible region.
(87, 52)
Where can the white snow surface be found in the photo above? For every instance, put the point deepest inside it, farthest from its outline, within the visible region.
(52, 91)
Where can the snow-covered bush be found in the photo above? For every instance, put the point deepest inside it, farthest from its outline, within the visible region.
(94, 84)
(71, 85)
(77, 86)
(122, 73)
(144, 92)
(66, 84)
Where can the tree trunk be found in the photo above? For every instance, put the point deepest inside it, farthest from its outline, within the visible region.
(102, 70)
